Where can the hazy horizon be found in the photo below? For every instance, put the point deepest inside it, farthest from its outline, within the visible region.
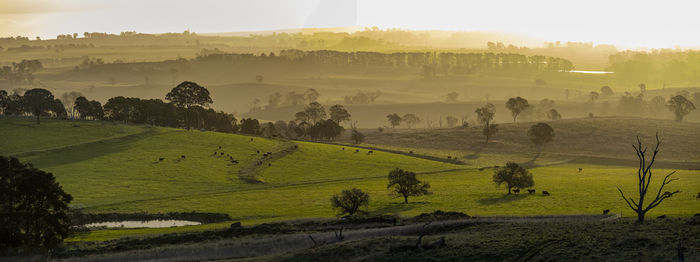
(655, 26)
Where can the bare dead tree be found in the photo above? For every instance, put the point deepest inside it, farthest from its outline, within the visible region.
(644, 174)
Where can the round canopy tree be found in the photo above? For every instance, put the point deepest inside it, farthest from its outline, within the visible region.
(514, 176)
(38, 101)
(188, 94)
(540, 134)
(680, 106)
(34, 207)
(350, 201)
(405, 184)
(516, 106)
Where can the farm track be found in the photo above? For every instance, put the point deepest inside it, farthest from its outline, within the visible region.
(267, 245)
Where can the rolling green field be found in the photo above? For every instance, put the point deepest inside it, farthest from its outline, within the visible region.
(116, 168)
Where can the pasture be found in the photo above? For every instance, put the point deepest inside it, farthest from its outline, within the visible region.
(112, 173)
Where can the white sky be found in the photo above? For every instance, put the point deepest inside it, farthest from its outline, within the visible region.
(630, 24)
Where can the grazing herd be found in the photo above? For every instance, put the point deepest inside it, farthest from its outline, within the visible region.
(530, 192)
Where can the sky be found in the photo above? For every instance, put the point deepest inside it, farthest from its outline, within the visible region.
(630, 24)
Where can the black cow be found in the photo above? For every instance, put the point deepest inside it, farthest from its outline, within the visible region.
(516, 191)
(605, 212)
(160, 159)
(545, 193)
(531, 191)
(580, 169)
(357, 151)
(182, 156)
(370, 152)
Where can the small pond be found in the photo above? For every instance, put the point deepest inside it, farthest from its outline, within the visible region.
(148, 224)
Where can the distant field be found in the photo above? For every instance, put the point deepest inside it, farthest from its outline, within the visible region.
(593, 140)
(123, 174)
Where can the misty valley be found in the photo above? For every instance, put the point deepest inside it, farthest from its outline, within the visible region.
(343, 144)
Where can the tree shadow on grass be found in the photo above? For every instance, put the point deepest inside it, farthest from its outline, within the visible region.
(397, 207)
(501, 199)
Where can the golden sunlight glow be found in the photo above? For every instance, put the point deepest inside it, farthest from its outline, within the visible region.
(629, 24)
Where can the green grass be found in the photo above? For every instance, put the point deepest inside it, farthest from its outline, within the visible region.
(123, 174)
(22, 135)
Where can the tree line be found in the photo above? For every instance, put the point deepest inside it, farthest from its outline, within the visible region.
(431, 62)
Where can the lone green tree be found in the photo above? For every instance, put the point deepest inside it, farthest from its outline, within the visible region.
(33, 205)
(680, 106)
(516, 106)
(485, 115)
(405, 184)
(513, 175)
(38, 101)
(188, 94)
(394, 120)
(350, 201)
(644, 174)
(540, 134)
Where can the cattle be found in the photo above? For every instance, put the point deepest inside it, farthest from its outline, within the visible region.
(160, 159)
(230, 158)
(215, 153)
(222, 153)
(257, 151)
(605, 212)
(343, 149)
(251, 139)
(410, 152)
(531, 191)
(580, 169)
(545, 193)
(357, 151)
(449, 157)
(370, 152)
(516, 191)
(219, 147)
(182, 156)
(269, 164)
(698, 196)
(269, 153)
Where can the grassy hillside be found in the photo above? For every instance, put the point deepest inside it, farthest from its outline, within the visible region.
(124, 174)
(584, 139)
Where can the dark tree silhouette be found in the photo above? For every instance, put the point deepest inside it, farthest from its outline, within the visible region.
(315, 112)
(553, 114)
(593, 96)
(356, 136)
(513, 175)
(350, 201)
(540, 134)
(452, 97)
(606, 91)
(250, 126)
(394, 120)
(644, 174)
(516, 106)
(4, 101)
(484, 115)
(33, 205)
(680, 106)
(38, 101)
(405, 184)
(188, 94)
(410, 120)
(339, 113)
